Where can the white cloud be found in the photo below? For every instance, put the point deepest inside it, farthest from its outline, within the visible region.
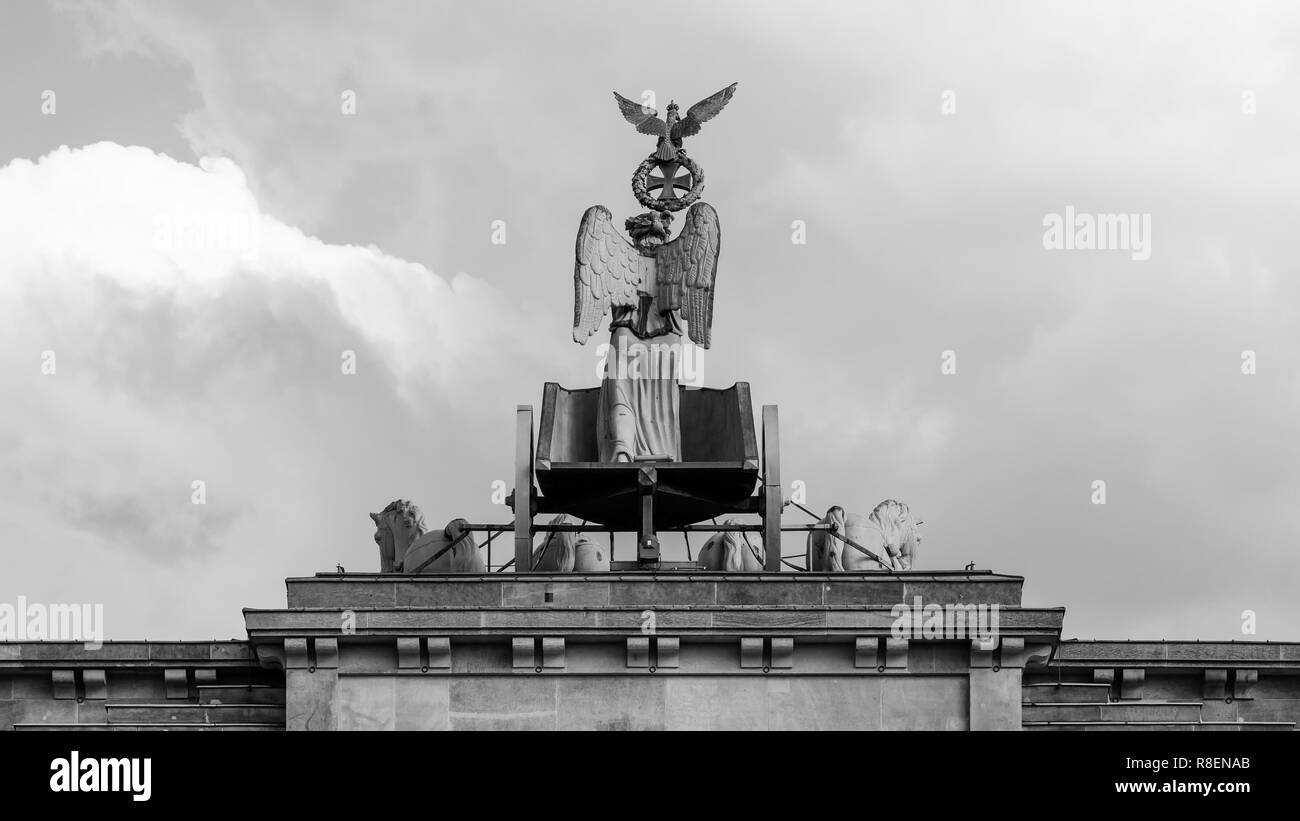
(180, 356)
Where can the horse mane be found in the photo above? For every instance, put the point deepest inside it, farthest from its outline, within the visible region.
(896, 525)
(400, 506)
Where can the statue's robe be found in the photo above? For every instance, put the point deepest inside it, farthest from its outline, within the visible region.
(640, 401)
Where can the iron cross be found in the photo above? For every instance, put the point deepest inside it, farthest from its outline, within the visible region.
(668, 180)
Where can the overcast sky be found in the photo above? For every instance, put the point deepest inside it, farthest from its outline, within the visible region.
(178, 360)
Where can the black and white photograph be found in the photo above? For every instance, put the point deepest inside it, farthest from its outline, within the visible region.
(648, 365)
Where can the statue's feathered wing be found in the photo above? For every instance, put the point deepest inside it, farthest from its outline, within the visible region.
(643, 117)
(607, 273)
(687, 271)
(702, 112)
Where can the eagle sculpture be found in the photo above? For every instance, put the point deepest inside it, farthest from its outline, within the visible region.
(649, 278)
(671, 131)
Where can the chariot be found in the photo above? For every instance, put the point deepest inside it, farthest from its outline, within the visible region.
(727, 468)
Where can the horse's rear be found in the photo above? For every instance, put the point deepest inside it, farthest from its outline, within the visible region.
(454, 548)
(732, 551)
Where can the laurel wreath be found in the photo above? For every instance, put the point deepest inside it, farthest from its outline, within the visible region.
(642, 176)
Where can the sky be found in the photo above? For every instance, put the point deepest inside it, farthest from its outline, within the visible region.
(196, 234)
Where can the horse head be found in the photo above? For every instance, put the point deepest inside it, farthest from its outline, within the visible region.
(899, 531)
(396, 527)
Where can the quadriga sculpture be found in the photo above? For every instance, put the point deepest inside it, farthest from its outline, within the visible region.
(406, 546)
(890, 532)
(733, 551)
(569, 552)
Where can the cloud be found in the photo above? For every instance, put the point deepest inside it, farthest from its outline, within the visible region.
(194, 337)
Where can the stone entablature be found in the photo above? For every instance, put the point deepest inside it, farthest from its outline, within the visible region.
(647, 650)
(137, 684)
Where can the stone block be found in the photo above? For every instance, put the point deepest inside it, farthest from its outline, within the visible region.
(662, 594)
(421, 703)
(778, 592)
(179, 651)
(927, 702)
(353, 593)
(667, 652)
(22, 711)
(64, 683)
(717, 703)
(295, 654)
(523, 652)
(995, 699)
(553, 652)
(439, 653)
(327, 654)
(1005, 593)
(408, 654)
(866, 652)
(367, 702)
(927, 657)
(751, 652)
(1012, 652)
(896, 654)
(230, 651)
(557, 594)
(604, 703)
(311, 700)
(449, 594)
(1269, 709)
(369, 658)
(886, 592)
(92, 712)
(176, 682)
(1216, 685)
(768, 619)
(503, 703)
(638, 651)
(782, 653)
(823, 703)
(1131, 683)
(664, 619)
(1243, 684)
(131, 685)
(95, 683)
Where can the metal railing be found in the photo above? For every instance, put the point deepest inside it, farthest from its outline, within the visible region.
(494, 530)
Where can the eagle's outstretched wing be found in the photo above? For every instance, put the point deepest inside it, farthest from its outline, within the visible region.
(643, 117)
(686, 271)
(607, 272)
(702, 112)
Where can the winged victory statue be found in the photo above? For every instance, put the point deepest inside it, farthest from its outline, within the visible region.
(653, 288)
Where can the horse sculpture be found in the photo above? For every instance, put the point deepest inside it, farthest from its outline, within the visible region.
(733, 551)
(406, 546)
(890, 532)
(569, 552)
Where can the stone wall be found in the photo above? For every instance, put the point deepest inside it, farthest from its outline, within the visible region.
(130, 685)
(760, 651)
(645, 651)
(1166, 685)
